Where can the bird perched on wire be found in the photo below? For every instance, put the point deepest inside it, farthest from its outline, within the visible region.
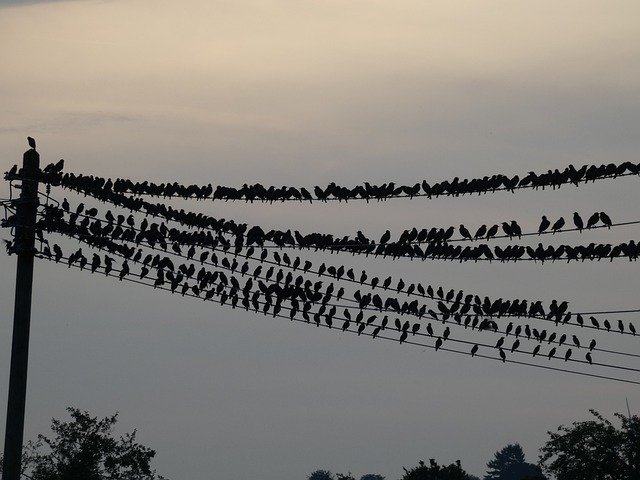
(605, 219)
(577, 220)
(593, 220)
(558, 225)
(544, 224)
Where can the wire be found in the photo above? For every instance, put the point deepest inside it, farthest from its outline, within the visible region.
(345, 278)
(414, 333)
(412, 342)
(78, 237)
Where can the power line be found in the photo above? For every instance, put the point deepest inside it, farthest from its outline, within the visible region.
(410, 342)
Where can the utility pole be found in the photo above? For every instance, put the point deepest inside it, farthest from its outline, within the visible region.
(24, 246)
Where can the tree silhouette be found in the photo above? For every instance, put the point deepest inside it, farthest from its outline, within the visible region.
(84, 448)
(321, 475)
(594, 450)
(345, 476)
(509, 464)
(371, 476)
(433, 471)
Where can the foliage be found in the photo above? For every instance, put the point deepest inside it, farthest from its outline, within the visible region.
(345, 476)
(372, 476)
(594, 450)
(509, 464)
(433, 471)
(84, 448)
(321, 475)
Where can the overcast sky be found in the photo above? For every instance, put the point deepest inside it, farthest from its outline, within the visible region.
(302, 93)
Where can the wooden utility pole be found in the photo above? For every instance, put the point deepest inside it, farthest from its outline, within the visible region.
(24, 246)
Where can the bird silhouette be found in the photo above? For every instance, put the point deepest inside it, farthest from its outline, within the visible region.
(605, 219)
(544, 224)
(558, 225)
(465, 232)
(593, 220)
(577, 220)
(32, 142)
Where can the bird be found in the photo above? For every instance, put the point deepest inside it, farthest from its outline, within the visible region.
(592, 345)
(503, 356)
(567, 355)
(32, 142)
(588, 357)
(558, 225)
(438, 343)
(620, 326)
(480, 232)
(515, 346)
(544, 224)
(605, 219)
(492, 232)
(577, 220)
(552, 352)
(465, 232)
(593, 220)
(474, 349)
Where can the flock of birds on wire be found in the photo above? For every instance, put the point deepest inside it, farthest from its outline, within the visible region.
(246, 267)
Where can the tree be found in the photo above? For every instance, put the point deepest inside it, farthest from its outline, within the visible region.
(84, 448)
(594, 450)
(371, 476)
(345, 476)
(321, 475)
(436, 472)
(509, 464)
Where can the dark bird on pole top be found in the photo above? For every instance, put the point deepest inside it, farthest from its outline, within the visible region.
(577, 220)
(32, 142)
(558, 225)
(544, 224)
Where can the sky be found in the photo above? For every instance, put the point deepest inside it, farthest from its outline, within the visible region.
(305, 93)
